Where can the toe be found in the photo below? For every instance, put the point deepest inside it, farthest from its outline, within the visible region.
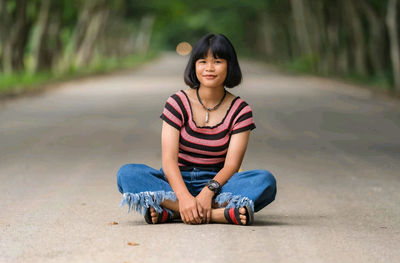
(243, 217)
(152, 212)
(154, 215)
(154, 219)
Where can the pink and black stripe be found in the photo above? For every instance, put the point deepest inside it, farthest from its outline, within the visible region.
(205, 146)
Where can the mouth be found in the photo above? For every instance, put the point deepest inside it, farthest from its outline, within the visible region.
(209, 76)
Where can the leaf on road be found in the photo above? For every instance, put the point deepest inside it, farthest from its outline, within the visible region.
(113, 223)
(133, 244)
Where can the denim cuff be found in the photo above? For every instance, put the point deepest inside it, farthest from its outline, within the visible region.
(143, 200)
(233, 200)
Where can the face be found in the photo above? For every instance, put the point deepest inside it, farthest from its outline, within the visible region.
(210, 71)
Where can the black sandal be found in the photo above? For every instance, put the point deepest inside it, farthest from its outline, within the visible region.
(232, 215)
(163, 217)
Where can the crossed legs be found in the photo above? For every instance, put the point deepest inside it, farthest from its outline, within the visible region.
(217, 213)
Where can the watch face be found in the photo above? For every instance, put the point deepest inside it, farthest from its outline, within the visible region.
(214, 185)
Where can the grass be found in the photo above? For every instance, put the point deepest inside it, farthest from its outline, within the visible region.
(20, 83)
(308, 65)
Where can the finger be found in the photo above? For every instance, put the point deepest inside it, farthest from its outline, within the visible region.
(208, 216)
(201, 211)
(196, 216)
(205, 216)
(190, 217)
(183, 218)
(194, 219)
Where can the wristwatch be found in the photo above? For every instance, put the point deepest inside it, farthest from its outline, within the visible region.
(214, 186)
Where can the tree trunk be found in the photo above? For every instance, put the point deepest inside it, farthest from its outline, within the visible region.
(86, 49)
(40, 61)
(376, 41)
(357, 36)
(4, 18)
(317, 23)
(142, 42)
(54, 47)
(391, 22)
(15, 42)
(343, 60)
(332, 39)
(300, 26)
(267, 35)
(78, 50)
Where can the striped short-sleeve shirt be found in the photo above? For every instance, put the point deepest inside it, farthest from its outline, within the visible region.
(205, 146)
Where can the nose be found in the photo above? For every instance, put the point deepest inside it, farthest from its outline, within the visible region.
(210, 66)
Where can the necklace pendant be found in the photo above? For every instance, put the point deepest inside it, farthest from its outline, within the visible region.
(207, 117)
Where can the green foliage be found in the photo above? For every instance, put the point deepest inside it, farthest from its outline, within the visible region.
(11, 6)
(18, 83)
(180, 20)
(305, 63)
(378, 81)
(244, 22)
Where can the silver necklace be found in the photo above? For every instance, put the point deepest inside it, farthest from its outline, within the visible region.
(209, 109)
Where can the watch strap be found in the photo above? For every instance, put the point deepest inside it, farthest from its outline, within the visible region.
(211, 185)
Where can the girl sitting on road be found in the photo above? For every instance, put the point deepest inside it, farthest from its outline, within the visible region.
(205, 133)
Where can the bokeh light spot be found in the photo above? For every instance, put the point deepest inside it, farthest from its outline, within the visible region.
(183, 48)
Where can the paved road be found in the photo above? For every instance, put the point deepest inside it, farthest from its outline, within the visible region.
(334, 149)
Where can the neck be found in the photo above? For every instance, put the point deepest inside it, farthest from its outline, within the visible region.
(210, 96)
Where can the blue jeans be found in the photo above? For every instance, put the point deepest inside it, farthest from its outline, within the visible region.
(143, 187)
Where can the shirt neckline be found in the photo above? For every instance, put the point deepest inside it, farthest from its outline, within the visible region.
(208, 127)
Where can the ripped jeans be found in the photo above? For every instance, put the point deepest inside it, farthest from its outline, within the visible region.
(143, 187)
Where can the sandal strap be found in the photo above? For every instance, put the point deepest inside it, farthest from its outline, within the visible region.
(162, 217)
(147, 216)
(232, 215)
(249, 215)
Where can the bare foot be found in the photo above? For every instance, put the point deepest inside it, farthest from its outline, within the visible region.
(242, 212)
(154, 215)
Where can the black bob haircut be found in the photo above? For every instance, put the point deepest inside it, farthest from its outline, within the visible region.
(220, 47)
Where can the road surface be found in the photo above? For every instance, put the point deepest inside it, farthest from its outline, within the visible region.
(333, 148)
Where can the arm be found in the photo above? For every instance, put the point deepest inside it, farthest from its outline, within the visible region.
(234, 157)
(170, 149)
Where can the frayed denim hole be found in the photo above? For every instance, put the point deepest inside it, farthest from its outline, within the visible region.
(234, 200)
(140, 202)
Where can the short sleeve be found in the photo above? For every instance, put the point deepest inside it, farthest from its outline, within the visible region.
(172, 113)
(244, 121)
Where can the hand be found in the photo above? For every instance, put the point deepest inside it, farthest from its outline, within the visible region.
(204, 199)
(188, 210)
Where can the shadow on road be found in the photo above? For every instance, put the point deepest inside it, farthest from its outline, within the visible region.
(287, 220)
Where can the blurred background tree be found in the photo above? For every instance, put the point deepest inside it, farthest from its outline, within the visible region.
(346, 38)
